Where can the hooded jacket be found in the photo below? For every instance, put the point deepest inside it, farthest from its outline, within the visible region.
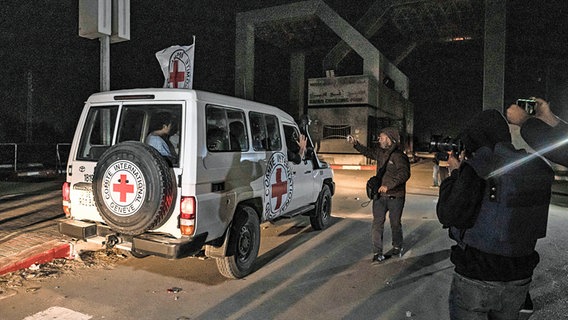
(481, 257)
(398, 167)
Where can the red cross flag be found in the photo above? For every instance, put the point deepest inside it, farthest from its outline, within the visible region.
(177, 66)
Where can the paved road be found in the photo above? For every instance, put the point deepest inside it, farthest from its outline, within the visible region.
(302, 274)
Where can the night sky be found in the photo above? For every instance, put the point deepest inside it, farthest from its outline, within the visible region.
(49, 69)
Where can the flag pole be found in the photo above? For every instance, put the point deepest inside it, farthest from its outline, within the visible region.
(193, 62)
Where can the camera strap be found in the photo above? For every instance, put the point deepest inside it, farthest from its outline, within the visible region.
(380, 174)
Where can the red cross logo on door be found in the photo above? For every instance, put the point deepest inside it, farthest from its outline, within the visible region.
(279, 189)
(278, 185)
(123, 187)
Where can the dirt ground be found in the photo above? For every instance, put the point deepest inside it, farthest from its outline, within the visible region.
(30, 279)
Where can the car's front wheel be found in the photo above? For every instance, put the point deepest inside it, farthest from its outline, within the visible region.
(322, 215)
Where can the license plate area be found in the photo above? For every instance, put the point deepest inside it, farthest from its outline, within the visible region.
(84, 193)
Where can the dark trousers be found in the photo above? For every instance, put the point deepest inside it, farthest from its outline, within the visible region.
(394, 206)
(472, 299)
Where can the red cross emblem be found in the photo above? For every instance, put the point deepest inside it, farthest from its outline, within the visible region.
(176, 75)
(123, 187)
(279, 189)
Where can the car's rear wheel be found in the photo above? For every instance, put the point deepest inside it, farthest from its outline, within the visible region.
(244, 243)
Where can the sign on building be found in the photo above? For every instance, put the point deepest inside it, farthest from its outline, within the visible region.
(342, 91)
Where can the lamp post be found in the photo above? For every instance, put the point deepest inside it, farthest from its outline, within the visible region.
(109, 21)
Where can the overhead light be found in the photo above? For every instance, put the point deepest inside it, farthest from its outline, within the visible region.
(456, 39)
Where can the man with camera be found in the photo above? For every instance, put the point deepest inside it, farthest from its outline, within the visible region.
(541, 129)
(393, 170)
(495, 205)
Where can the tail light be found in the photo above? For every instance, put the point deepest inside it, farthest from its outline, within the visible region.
(187, 216)
(65, 193)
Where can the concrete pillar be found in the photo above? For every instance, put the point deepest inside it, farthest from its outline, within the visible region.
(297, 81)
(244, 59)
(494, 54)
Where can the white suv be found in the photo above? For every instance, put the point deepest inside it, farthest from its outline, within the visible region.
(229, 169)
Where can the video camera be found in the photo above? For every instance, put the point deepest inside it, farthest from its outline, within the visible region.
(442, 145)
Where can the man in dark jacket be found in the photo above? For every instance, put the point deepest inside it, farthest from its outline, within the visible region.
(495, 204)
(544, 132)
(392, 190)
(547, 134)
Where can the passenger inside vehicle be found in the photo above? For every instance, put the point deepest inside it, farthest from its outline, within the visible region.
(217, 139)
(296, 145)
(237, 136)
(161, 125)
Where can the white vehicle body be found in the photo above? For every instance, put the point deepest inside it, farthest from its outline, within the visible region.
(230, 171)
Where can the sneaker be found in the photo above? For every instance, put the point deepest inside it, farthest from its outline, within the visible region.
(378, 258)
(528, 307)
(397, 251)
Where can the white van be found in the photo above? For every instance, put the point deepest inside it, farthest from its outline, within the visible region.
(232, 164)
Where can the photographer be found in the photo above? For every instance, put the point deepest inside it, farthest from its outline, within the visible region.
(546, 133)
(542, 130)
(495, 217)
(394, 167)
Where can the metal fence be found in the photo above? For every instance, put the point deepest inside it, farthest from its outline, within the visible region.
(340, 131)
(17, 157)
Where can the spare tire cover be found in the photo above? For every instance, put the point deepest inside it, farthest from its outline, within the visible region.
(134, 188)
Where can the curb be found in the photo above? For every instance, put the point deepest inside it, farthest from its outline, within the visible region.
(353, 167)
(358, 167)
(43, 254)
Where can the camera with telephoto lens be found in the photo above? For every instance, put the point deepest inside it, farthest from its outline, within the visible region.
(528, 104)
(443, 145)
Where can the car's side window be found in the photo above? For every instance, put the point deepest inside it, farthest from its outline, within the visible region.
(97, 132)
(226, 130)
(132, 124)
(258, 131)
(237, 130)
(273, 133)
(265, 132)
(292, 136)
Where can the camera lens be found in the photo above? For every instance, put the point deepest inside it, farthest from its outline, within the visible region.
(445, 144)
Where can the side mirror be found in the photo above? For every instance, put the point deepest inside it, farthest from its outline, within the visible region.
(309, 153)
